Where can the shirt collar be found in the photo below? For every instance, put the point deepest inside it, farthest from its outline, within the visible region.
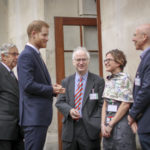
(144, 52)
(29, 44)
(84, 77)
(6, 66)
(114, 75)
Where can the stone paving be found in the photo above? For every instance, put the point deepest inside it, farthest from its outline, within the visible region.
(52, 142)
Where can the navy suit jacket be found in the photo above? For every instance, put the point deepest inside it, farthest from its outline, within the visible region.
(140, 110)
(36, 92)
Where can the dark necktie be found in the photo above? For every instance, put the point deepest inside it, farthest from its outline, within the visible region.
(13, 75)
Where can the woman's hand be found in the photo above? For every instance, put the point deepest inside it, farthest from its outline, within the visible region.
(109, 129)
(105, 131)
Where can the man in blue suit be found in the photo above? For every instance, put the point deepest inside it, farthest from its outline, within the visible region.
(36, 90)
(140, 111)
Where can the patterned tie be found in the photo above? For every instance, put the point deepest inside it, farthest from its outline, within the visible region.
(13, 75)
(78, 95)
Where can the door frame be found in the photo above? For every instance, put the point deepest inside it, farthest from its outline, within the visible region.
(59, 41)
(59, 50)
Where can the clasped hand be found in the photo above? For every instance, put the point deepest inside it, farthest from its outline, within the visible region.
(58, 89)
(74, 114)
(106, 130)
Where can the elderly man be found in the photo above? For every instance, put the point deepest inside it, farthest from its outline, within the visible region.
(10, 135)
(81, 105)
(140, 110)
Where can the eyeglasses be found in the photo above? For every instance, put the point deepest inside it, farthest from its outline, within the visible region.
(81, 59)
(108, 60)
(14, 54)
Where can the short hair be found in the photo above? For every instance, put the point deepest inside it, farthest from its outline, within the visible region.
(36, 25)
(4, 49)
(80, 49)
(119, 57)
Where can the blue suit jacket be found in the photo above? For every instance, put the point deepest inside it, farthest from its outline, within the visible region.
(36, 92)
(140, 110)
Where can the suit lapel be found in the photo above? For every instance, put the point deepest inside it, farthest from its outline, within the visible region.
(72, 89)
(88, 88)
(13, 83)
(143, 61)
(42, 66)
(140, 67)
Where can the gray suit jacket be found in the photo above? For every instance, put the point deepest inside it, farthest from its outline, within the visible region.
(91, 109)
(9, 105)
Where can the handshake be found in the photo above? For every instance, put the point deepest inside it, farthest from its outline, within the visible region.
(58, 89)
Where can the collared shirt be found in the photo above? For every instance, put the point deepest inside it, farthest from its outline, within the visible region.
(33, 47)
(77, 80)
(10, 71)
(6, 66)
(144, 52)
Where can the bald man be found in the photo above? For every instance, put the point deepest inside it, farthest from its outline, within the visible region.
(140, 111)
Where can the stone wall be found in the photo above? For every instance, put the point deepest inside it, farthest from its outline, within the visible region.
(119, 19)
(3, 21)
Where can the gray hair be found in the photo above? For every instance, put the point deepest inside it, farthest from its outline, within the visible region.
(80, 49)
(4, 49)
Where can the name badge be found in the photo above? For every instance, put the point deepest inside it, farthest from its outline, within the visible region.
(112, 108)
(94, 96)
(137, 81)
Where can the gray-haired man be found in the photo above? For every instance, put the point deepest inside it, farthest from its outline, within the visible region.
(10, 135)
(81, 105)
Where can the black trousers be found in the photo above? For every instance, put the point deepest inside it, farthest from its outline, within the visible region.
(81, 140)
(11, 145)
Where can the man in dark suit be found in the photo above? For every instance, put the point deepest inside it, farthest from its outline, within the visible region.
(36, 90)
(81, 105)
(10, 133)
(140, 111)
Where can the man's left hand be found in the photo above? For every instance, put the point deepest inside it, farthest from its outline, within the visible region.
(58, 89)
(130, 120)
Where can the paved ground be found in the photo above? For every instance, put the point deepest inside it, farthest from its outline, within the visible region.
(52, 142)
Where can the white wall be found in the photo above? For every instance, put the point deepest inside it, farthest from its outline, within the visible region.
(119, 19)
(20, 14)
(4, 21)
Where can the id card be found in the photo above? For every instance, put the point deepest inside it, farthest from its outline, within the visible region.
(137, 81)
(94, 96)
(112, 108)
